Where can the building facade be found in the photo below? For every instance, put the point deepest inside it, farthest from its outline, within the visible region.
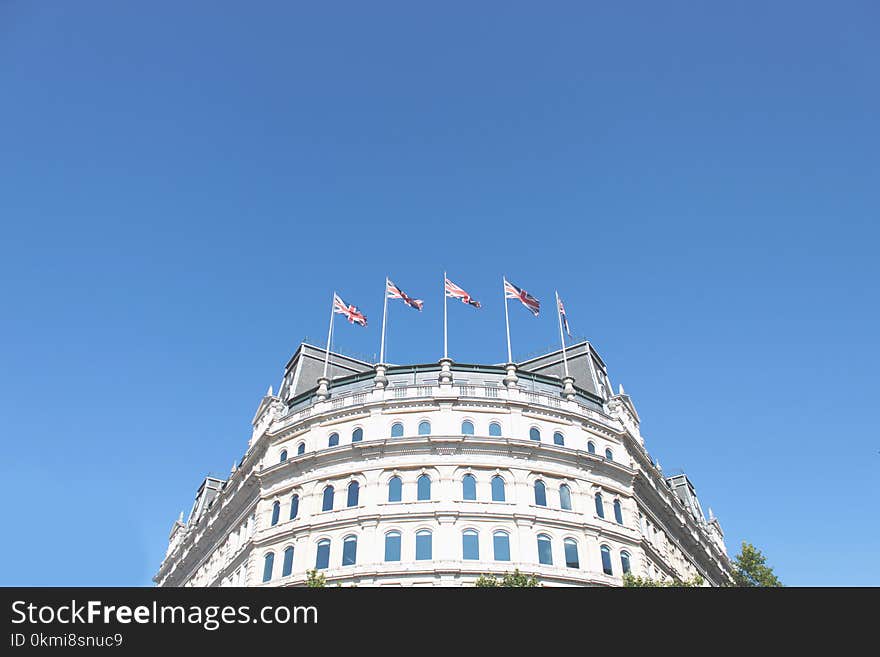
(433, 474)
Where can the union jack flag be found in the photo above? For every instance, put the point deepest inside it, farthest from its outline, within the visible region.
(395, 292)
(452, 290)
(352, 314)
(562, 315)
(511, 291)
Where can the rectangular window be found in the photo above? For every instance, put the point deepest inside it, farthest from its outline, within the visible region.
(423, 546)
(470, 547)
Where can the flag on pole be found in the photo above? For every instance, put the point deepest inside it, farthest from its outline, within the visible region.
(511, 291)
(452, 290)
(395, 292)
(352, 314)
(562, 315)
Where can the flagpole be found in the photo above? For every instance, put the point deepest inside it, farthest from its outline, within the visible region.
(445, 338)
(329, 336)
(506, 319)
(384, 316)
(561, 334)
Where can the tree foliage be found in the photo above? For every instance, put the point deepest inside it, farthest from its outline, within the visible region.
(514, 579)
(631, 581)
(751, 568)
(315, 580)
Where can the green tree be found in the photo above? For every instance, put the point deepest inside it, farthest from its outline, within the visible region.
(514, 579)
(751, 568)
(631, 581)
(315, 580)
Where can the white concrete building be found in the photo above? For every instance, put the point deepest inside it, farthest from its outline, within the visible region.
(433, 474)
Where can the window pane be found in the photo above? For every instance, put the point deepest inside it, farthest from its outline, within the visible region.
(294, 506)
(392, 546)
(534, 434)
(333, 441)
(618, 512)
(322, 560)
(283, 456)
(469, 487)
(558, 439)
(301, 448)
(565, 497)
(395, 487)
(327, 504)
(287, 566)
(349, 551)
(495, 429)
(396, 430)
(470, 546)
(357, 435)
(501, 543)
(591, 447)
(423, 546)
(424, 488)
(624, 561)
(467, 428)
(571, 554)
(497, 489)
(545, 551)
(268, 562)
(540, 493)
(276, 510)
(606, 560)
(353, 492)
(600, 508)
(609, 455)
(424, 428)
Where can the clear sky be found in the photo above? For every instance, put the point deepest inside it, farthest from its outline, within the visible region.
(183, 185)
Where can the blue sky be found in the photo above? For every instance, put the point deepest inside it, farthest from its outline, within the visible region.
(183, 185)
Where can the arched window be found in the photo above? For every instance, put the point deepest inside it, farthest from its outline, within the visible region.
(354, 489)
(467, 428)
(396, 430)
(618, 513)
(469, 487)
(591, 447)
(349, 550)
(322, 559)
(300, 449)
(497, 489)
(558, 438)
(540, 493)
(565, 497)
(276, 511)
(424, 488)
(395, 489)
(357, 435)
(571, 553)
(283, 456)
(609, 454)
(534, 434)
(327, 502)
(424, 428)
(495, 430)
(501, 545)
(423, 545)
(624, 561)
(333, 440)
(268, 563)
(606, 560)
(545, 550)
(600, 508)
(470, 545)
(287, 566)
(294, 506)
(392, 546)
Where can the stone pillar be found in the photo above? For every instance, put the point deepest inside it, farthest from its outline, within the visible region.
(380, 381)
(323, 388)
(568, 388)
(445, 377)
(510, 378)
